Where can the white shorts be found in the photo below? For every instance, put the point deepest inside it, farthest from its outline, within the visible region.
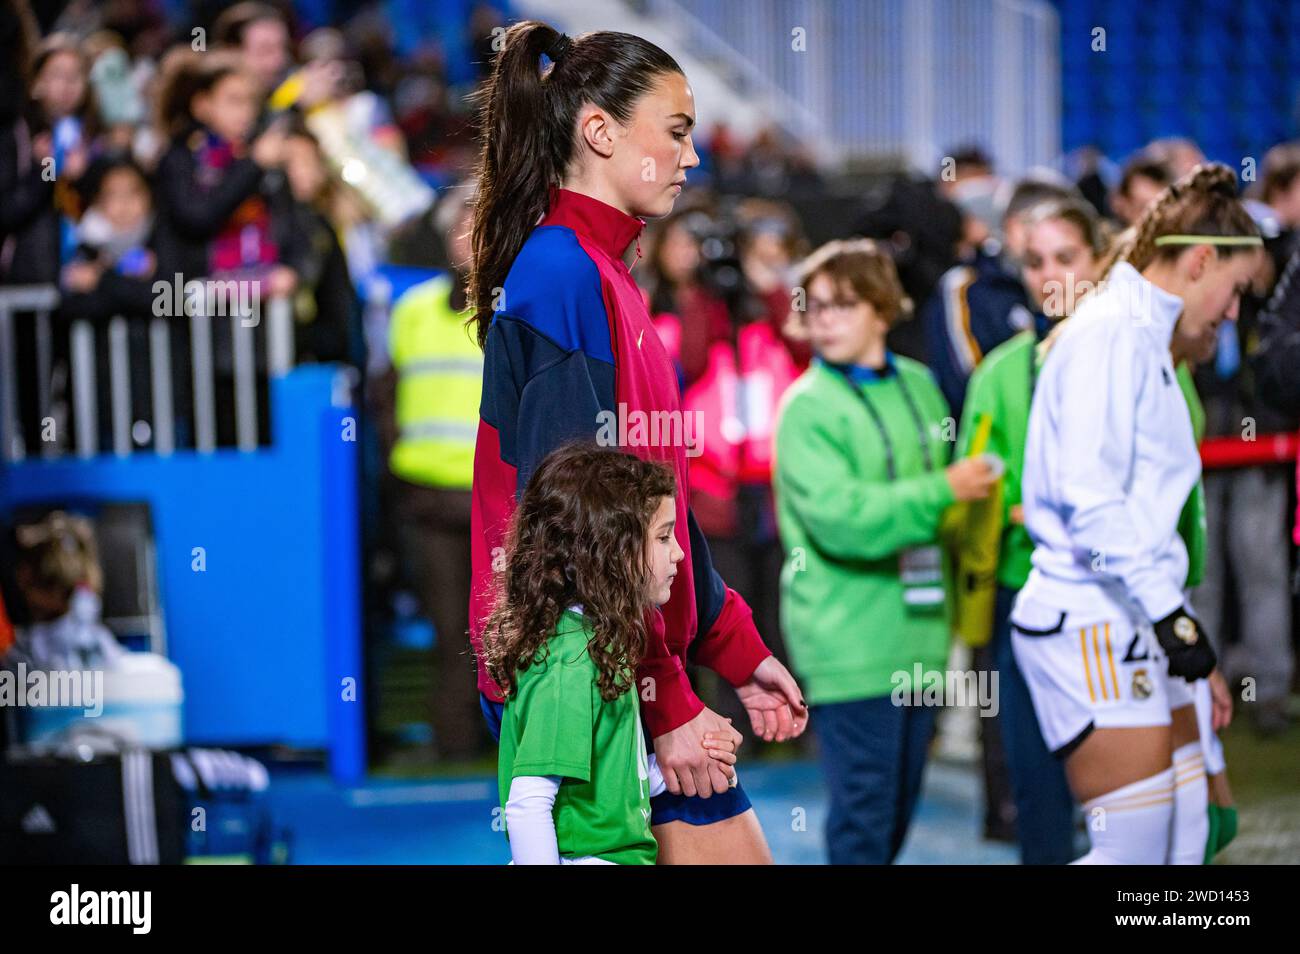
(1101, 669)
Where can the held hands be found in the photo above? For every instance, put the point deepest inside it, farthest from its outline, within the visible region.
(722, 747)
(691, 761)
(1184, 641)
(971, 478)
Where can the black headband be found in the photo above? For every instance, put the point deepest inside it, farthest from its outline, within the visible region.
(559, 47)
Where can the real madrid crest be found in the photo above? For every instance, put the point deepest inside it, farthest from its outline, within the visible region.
(1185, 629)
(1141, 684)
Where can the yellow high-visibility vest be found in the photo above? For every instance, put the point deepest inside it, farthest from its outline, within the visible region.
(439, 382)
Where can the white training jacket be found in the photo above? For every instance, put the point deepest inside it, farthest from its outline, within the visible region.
(1110, 457)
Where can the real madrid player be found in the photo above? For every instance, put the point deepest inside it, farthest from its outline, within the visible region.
(1102, 629)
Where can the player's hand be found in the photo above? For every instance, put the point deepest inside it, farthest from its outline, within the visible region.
(775, 705)
(1184, 641)
(687, 766)
(1220, 700)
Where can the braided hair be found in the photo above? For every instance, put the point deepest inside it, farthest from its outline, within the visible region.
(1203, 202)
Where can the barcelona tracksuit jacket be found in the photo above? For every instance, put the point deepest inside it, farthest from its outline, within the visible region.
(570, 345)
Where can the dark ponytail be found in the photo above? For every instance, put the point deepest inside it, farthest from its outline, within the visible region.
(526, 125)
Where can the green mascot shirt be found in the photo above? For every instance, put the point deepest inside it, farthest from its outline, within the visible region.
(556, 723)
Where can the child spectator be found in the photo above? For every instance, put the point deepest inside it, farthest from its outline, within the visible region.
(326, 303)
(63, 108)
(215, 198)
(112, 267)
(862, 483)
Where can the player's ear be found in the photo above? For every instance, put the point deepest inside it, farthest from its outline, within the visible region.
(1198, 260)
(597, 130)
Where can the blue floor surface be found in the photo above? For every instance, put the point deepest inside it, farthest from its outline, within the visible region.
(456, 821)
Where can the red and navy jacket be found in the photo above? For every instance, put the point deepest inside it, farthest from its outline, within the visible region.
(572, 338)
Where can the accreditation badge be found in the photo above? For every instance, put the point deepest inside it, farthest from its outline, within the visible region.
(921, 571)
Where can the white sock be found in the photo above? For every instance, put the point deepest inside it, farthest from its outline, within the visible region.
(1130, 826)
(1191, 825)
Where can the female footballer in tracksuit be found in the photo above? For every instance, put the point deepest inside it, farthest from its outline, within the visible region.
(574, 155)
(1102, 629)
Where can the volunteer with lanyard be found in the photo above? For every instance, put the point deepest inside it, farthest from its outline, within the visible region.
(1102, 629)
(862, 483)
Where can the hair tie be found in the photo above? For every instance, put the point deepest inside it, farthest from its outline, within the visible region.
(559, 47)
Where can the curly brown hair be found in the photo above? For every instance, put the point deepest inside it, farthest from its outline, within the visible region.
(578, 536)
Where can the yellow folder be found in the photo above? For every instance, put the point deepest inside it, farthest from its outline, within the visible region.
(977, 535)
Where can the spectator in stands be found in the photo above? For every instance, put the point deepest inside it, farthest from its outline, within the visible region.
(260, 34)
(44, 150)
(1279, 189)
(978, 306)
(678, 297)
(770, 241)
(65, 122)
(772, 165)
(967, 180)
(921, 230)
(111, 274)
(113, 265)
(967, 164)
(749, 364)
(325, 305)
(28, 224)
(1278, 355)
(1245, 504)
(214, 194)
(1178, 154)
(215, 199)
(1142, 180)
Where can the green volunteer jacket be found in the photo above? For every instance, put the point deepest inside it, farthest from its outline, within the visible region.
(843, 525)
(1001, 388)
